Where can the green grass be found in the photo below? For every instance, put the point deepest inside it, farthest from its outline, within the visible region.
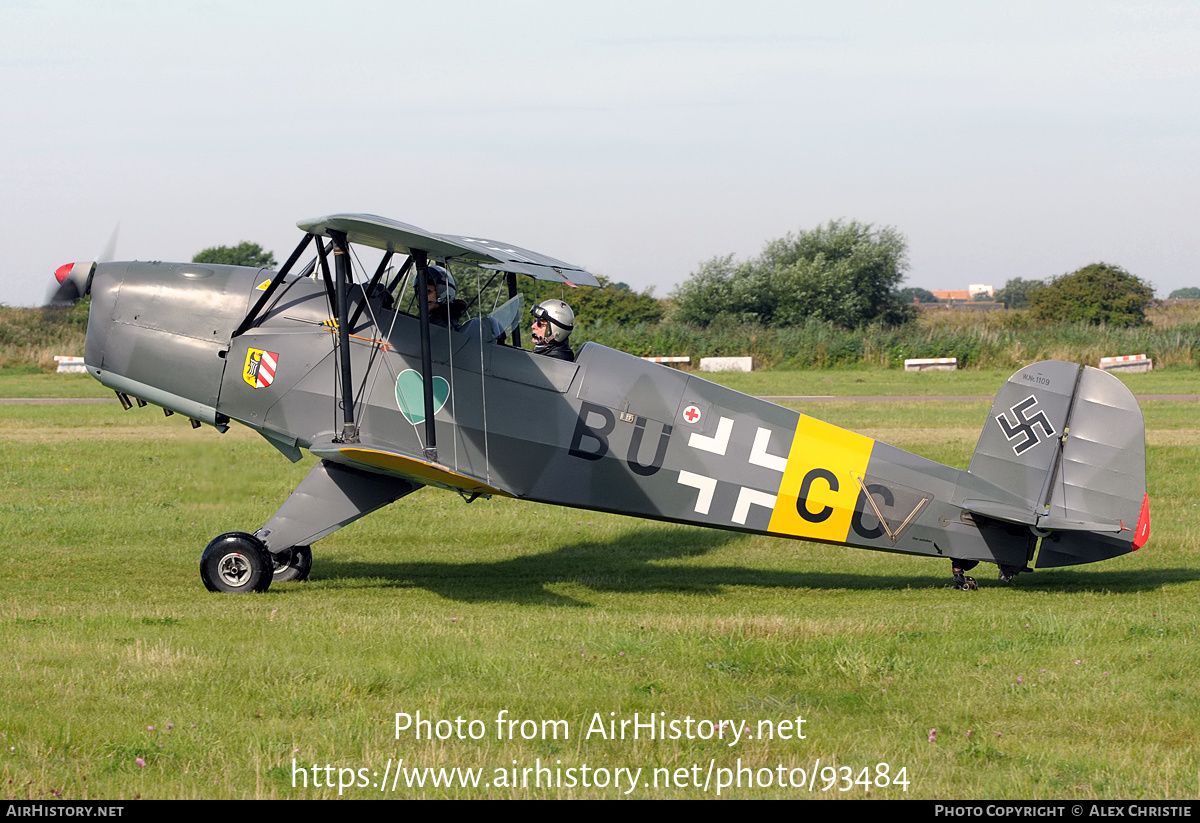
(51, 385)
(895, 382)
(1076, 683)
(776, 382)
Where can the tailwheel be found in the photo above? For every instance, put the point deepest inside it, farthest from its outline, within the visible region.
(1007, 573)
(236, 562)
(293, 563)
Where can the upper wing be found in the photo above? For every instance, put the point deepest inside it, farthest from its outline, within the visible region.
(392, 235)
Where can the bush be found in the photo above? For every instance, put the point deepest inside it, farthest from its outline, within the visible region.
(1189, 293)
(1099, 293)
(243, 254)
(847, 273)
(31, 337)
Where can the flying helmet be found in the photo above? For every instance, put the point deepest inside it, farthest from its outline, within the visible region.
(442, 280)
(558, 315)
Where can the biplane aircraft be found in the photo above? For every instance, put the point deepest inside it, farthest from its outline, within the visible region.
(351, 368)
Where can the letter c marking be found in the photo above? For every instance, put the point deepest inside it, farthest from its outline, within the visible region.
(802, 499)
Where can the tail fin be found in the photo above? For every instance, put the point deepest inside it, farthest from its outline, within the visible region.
(1070, 442)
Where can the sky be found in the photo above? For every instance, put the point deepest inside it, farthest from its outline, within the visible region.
(634, 139)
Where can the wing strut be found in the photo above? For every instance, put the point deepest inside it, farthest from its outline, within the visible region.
(341, 259)
(278, 279)
(422, 261)
(511, 277)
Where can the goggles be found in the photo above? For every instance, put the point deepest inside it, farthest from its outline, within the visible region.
(539, 313)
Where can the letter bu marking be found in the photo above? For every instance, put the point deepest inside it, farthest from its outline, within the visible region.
(583, 430)
(1024, 425)
(635, 446)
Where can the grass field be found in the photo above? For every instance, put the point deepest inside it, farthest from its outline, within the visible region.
(126, 678)
(836, 382)
(896, 382)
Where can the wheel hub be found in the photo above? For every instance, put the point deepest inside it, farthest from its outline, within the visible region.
(234, 569)
(282, 560)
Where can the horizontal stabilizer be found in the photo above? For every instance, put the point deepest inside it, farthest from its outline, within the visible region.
(1020, 515)
(1025, 517)
(1062, 524)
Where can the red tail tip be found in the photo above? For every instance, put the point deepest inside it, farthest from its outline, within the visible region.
(1142, 533)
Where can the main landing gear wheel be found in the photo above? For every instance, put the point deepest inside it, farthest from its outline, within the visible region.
(963, 581)
(292, 564)
(236, 562)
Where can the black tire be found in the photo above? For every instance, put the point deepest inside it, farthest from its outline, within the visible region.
(235, 563)
(292, 564)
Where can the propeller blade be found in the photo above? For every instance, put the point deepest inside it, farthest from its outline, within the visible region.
(67, 294)
(74, 278)
(110, 249)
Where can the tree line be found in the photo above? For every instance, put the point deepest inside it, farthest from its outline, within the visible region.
(845, 273)
(849, 274)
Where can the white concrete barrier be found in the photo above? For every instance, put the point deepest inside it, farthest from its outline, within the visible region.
(931, 364)
(68, 364)
(1127, 363)
(726, 364)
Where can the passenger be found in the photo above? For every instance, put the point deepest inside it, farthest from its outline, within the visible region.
(444, 309)
(552, 324)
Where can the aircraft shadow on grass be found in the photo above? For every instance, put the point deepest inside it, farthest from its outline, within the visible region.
(633, 564)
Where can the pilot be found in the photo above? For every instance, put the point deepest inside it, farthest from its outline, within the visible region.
(552, 324)
(444, 309)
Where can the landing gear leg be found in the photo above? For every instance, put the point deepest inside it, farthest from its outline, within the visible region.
(329, 497)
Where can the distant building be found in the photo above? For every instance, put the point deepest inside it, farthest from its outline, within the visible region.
(951, 296)
(965, 296)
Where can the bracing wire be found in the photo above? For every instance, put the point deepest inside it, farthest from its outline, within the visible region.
(405, 283)
(376, 349)
(453, 393)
